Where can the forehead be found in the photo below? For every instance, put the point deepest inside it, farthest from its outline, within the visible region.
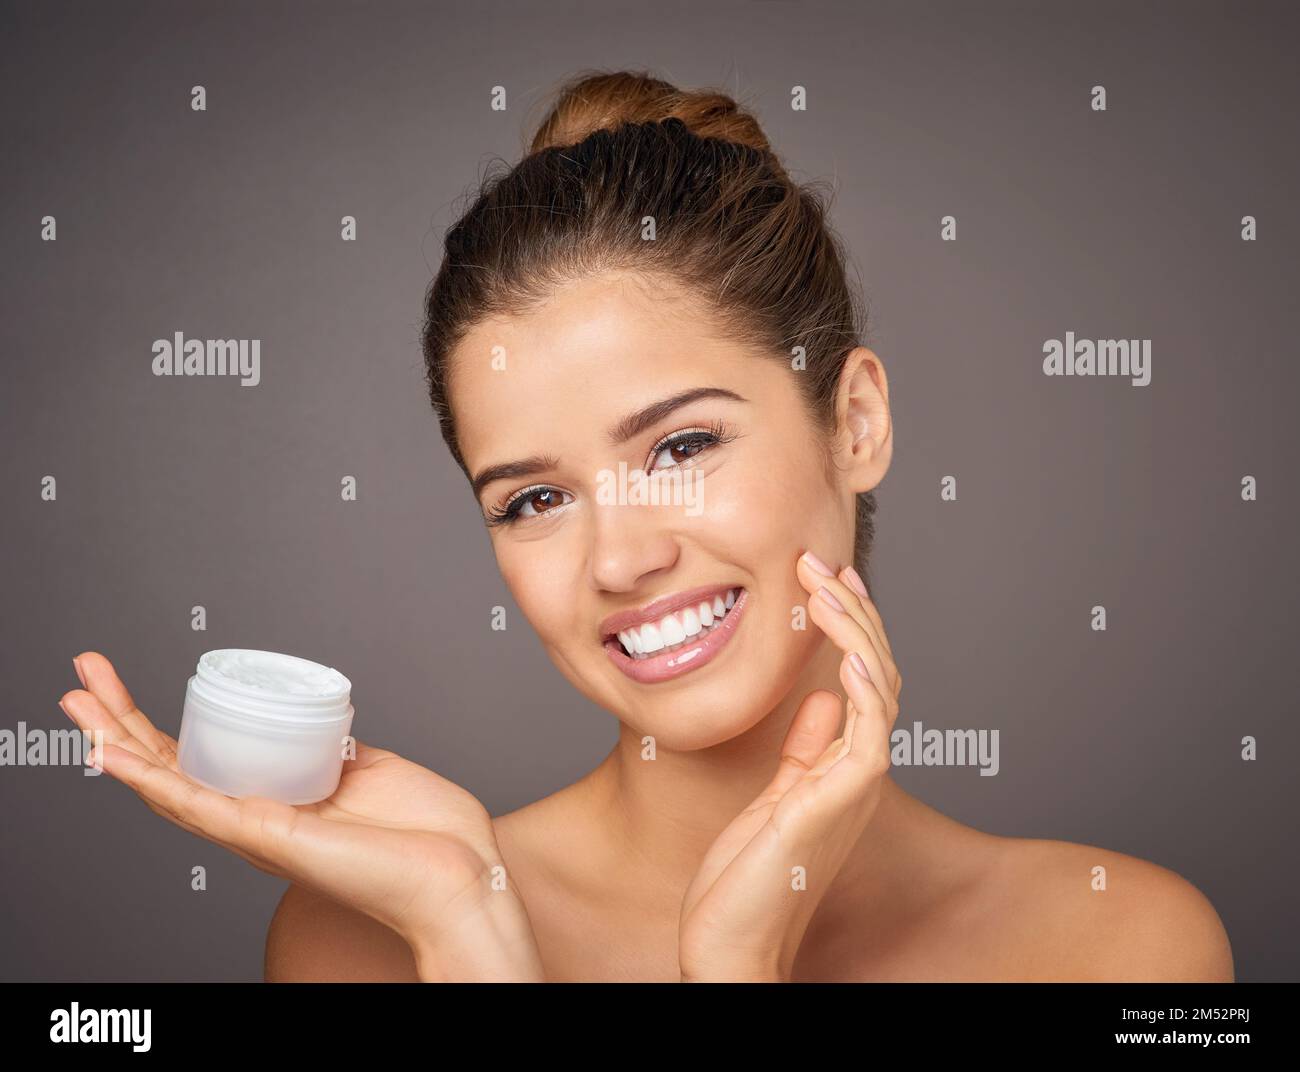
(595, 350)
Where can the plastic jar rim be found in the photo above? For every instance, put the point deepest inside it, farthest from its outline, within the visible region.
(220, 690)
(207, 706)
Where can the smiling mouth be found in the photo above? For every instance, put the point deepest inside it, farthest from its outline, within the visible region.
(678, 629)
(683, 640)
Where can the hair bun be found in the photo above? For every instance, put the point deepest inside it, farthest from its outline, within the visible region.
(605, 101)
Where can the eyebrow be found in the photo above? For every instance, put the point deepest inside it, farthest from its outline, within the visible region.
(636, 423)
(538, 463)
(631, 425)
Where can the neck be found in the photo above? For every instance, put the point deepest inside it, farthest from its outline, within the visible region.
(666, 813)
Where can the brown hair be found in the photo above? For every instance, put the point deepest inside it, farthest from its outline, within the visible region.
(730, 226)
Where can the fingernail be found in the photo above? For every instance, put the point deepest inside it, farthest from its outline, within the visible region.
(855, 660)
(80, 676)
(65, 710)
(817, 564)
(825, 593)
(855, 582)
(90, 758)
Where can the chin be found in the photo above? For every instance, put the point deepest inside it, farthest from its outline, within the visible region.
(718, 701)
(682, 731)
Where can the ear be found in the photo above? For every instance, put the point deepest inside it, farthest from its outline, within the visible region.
(864, 430)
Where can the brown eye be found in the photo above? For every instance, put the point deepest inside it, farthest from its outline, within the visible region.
(526, 504)
(682, 449)
(543, 500)
(529, 503)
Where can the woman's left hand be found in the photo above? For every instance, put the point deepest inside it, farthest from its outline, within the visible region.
(744, 914)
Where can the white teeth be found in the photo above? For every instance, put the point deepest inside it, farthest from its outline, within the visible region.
(651, 640)
(673, 630)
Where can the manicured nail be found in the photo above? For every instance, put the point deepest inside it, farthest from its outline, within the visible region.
(65, 710)
(855, 582)
(80, 676)
(817, 564)
(825, 593)
(90, 758)
(855, 661)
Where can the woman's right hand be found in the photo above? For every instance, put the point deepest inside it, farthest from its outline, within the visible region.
(396, 841)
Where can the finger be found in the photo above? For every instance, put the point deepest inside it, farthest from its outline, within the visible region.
(198, 809)
(117, 769)
(838, 747)
(186, 802)
(813, 728)
(99, 678)
(91, 717)
(160, 811)
(846, 790)
(867, 756)
(813, 579)
(850, 577)
(846, 633)
(847, 596)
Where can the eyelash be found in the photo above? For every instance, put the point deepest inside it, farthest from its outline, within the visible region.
(713, 435)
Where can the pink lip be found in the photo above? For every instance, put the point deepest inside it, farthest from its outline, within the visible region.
(690, 656)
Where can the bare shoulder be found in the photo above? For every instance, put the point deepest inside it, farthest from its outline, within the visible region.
(313, 939)
(1092, 914)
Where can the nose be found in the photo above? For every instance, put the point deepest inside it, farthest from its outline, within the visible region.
(630, 543)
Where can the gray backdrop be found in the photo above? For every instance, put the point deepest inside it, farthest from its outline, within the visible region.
(176, 492)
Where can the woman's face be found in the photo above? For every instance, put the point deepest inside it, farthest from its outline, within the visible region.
(581, 536)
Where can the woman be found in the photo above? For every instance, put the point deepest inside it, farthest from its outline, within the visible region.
(648, 308)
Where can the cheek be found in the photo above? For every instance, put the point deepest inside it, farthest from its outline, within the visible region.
(761, 515)
(534, 576)
(769, 503)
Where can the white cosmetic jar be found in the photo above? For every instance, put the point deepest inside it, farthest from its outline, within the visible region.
(257, 723)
